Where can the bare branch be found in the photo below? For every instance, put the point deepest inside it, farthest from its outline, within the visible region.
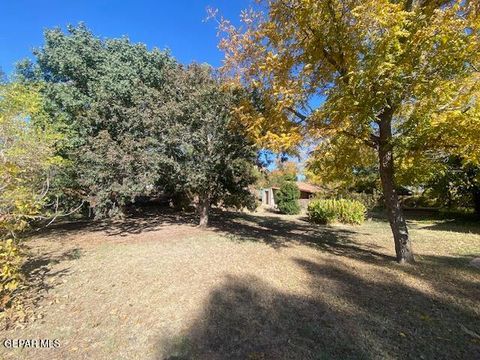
(301, 116)
(372, 142)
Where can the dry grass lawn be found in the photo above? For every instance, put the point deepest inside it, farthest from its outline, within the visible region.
(253, 286)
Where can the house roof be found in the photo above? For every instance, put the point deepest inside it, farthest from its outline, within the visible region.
(304, 187)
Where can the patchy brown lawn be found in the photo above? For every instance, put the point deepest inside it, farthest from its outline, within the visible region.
(252, 287)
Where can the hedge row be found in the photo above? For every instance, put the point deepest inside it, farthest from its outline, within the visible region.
(327, 211)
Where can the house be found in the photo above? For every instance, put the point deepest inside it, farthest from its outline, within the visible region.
(307, 191)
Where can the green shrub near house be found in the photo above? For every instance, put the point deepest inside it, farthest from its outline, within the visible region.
(327, 211)
(287, 197)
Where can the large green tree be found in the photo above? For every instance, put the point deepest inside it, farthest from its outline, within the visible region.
(456, 185)
(137, 123)
(215, 162)
(113, 100)
(399, 80)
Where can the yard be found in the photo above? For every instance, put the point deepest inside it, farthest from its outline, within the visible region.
(253, 286)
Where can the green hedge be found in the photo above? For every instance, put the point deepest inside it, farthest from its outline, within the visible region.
(287, 197)
(332, 210)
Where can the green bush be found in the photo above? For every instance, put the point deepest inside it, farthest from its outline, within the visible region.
(287, 197)
(371, 201)
(332, 210)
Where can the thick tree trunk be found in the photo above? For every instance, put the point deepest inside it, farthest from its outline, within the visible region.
(476, 201)
(203, 208)
(403, 247)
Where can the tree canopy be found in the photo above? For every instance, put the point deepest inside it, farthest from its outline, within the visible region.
(214, 159)
(399, 82)
(113, 99)
(137, 123)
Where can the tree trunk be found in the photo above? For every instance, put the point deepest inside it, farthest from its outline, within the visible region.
(203, 208)
(476, 201)
(403, 247)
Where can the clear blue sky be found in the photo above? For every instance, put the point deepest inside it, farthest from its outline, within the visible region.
(177, 25)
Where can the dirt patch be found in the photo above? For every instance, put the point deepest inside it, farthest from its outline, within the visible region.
(252, 287)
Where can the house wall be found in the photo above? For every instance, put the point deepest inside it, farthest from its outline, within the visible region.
(268, 194)
(305, 195)
(268, 198)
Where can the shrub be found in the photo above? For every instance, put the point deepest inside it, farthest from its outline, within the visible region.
(10, 260)
(371, 201)
(287, 197)
(332, 210)
(27, 166)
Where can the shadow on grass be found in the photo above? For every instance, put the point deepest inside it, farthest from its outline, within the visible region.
(278, 232)
(150, 219)
(456, 225)
(37, 270)
(343, 316)
(272, 230)
(438, 221)
(448, 275)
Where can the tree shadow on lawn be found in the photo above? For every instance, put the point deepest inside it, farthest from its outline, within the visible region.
(434, 220)
(272, 230)
(39, 278)
(448, 275)
(149, 220)
(345, 316)
(37, 269)
(456, 225)
(278, 232)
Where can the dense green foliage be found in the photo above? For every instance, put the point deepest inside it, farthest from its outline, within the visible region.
(457, 185)
(287, 197)
(138, 124)
(214, 161)
(332, 210)
(113, 100)
(105, 122)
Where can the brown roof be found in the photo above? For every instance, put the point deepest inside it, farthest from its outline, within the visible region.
(303, 186)
(306, 187)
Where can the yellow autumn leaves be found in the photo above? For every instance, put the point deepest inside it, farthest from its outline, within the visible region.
(26, 158)
(356, 58)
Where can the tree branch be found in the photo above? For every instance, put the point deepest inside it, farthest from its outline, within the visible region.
(301, 116)
(372, 142)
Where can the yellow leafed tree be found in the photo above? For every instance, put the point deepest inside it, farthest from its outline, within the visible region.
(27, 157)
(399, 80)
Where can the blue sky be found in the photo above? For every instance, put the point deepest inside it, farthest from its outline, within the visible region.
(177, 25)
